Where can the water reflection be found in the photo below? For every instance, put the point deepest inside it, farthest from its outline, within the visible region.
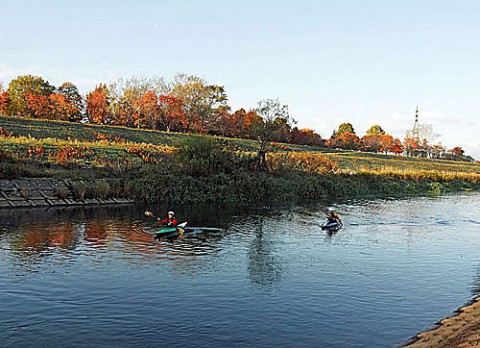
(39, 234)
(263, 268)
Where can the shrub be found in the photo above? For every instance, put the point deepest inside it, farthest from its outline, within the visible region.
(79, 190)
(24, 192)
(103, 190)
(201, 156)
(62, 191)
(308, 162)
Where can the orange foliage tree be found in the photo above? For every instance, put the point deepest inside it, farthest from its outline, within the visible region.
(457, 150)
(410, 145)
(146, 110)
(397, 147)
(306, 137)
(97, 105)
(38, 106)
(4, 102)
(171, 115)
(61, 108)
(345, 140)
(371, 143)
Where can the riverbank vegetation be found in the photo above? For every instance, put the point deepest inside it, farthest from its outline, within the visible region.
(153, 166)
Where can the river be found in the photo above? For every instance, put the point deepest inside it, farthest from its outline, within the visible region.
(253, 277)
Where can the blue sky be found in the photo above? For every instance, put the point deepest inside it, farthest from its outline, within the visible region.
(363, 61)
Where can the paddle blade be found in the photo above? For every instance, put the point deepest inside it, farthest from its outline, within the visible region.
(149, 213)
(182, 225)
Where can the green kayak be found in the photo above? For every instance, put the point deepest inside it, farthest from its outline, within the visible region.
(167, 230)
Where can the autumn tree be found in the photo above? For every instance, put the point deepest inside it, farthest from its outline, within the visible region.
(458, 151)
(37, 106)
(147, 110)
(237, 124)
(221, 123)
(345, 140)
(23, 86)
(252, 122)
(63, 108)
(124, 96)
(396, 147)
(387, 143)
(375, 140)
(97, 105)
(371, 143)
(200, 100)
(171, 113)
(73, 98)
(4, 102)
(306, 137)
(410, 145)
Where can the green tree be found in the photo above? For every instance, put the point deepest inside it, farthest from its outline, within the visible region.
(345, 128)
(71, 93)
(20, 88)
(375, 130)
(274, 118)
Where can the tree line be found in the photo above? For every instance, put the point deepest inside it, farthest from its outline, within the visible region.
(190, 104)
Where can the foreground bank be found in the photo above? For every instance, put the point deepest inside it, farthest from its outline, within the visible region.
(459, 331)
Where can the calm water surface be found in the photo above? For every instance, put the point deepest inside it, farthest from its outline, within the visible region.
(266, 277)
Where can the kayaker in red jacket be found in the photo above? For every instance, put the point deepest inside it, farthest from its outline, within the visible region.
(170, 220)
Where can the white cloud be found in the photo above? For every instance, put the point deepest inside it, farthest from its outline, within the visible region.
(7, 72)
(55, 76)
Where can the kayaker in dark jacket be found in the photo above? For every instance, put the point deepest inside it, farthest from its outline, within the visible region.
(170, 220)
(332, 216)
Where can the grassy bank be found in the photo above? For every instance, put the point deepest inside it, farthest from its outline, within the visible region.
(153, 166)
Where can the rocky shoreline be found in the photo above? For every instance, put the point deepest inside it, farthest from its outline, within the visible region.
(459, 331)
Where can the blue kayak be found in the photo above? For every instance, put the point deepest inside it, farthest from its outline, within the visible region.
(328, 225)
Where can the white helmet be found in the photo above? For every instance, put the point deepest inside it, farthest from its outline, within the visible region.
(171, 212)
(331, 209)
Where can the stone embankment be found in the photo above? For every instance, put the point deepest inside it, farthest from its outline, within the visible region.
(45, 192)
